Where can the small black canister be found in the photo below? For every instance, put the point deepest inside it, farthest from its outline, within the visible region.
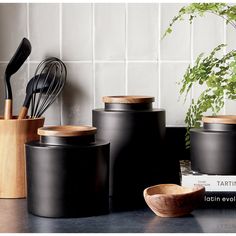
(138, 158)
(67, 173)
(213, 147)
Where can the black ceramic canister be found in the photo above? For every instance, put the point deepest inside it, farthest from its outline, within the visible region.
(67, 173)
(213, 147)
(139, 157)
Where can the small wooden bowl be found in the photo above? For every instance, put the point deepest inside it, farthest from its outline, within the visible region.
(171, 200)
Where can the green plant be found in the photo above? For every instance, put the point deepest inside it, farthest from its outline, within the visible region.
(217, 74)
(193, 10)
(219, 77)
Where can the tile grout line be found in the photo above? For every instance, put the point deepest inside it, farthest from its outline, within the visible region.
(60, 30)
(65, 61)
(176, 125)
(60, 54)
(159, 57)
(126, 48)
(113, 61)
(93, 55)
(192, 54)
(28, 36)
(224, 41)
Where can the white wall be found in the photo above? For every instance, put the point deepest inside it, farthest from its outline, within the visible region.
(109, 49)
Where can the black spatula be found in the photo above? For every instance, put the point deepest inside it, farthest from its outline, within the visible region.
(21, 54)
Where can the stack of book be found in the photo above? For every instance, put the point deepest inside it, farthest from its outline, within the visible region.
(220, 189)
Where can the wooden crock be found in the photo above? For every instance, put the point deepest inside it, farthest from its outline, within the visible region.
(14, 134)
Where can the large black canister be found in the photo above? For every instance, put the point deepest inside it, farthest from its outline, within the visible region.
(67, 173)
(139, 156)
(213, 147)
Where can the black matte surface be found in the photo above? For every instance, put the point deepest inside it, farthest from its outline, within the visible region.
(219, 127)
(175, 139)
(15, 219)
(139, 156)
(67, 180)
(213, 152)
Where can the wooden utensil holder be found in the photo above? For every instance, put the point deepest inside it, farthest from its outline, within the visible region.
(14, 134)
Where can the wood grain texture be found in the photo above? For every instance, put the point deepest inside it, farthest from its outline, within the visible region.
(128, 99)
(23, 113)
(171, 200)
(222, 119)
(8, 109)
(66, 131)
(14, 134)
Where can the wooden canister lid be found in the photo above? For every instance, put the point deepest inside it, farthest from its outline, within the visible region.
(221, 119)
(66, 131)
(128, 99)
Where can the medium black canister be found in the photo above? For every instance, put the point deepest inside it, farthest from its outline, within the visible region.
(139, 157)
(67, 173)
(213, 147)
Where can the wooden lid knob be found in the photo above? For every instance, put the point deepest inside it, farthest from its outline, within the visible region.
(223, 119)
(128, 99)
(66, 131)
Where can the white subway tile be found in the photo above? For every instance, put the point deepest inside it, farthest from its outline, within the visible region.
(176, 45)
(77, 100)
(197, 90)
(110, 81)
(230, 107)
(44, 30)
(208, 33)
(171, 74)
(230, 37)
(13, 28)
(143, 31)
(143, 79)
(110, 31)
(18, 84)
(53, 113)
(77, 31)
(78, 95)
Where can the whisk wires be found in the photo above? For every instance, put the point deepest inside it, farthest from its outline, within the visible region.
(54, 72)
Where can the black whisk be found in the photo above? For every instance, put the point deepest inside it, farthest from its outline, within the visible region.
(51, 72)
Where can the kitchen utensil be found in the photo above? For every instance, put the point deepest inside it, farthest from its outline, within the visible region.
(57, 70)
(171, 200)
(139, 157)
(13, 135)
(21, 54)
(38, 84)
(213, 148)
(67, 172)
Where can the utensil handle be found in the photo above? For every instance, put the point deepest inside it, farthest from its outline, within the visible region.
(23, 113)
(8, 109)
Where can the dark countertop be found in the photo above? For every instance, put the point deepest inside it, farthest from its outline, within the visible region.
(15, 219)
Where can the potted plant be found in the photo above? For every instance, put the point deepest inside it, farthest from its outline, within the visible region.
(216, 73)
